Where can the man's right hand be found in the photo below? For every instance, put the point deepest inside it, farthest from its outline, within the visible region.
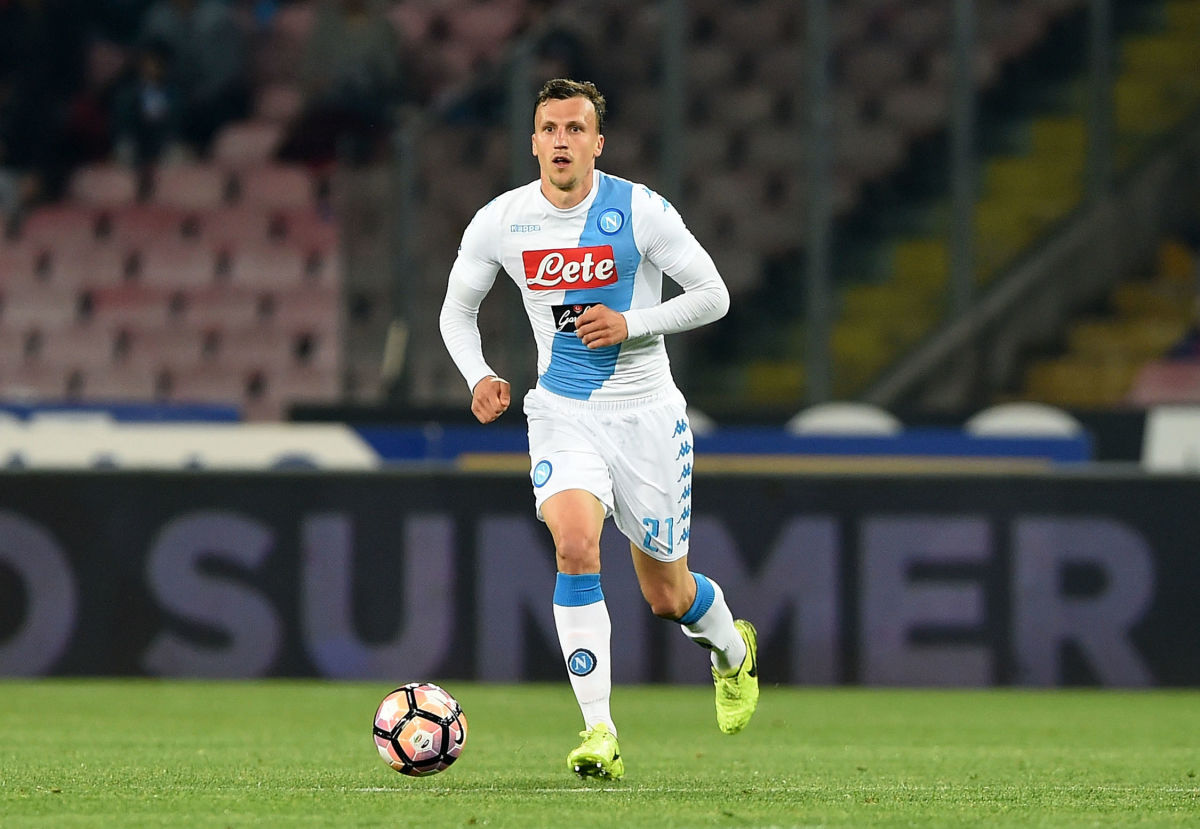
(490, 398)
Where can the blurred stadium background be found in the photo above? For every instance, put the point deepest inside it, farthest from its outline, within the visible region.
(889, 235)
(961, 239)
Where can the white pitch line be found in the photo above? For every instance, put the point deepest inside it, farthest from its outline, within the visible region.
(944, 787)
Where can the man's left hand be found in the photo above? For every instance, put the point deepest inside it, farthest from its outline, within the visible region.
(600, 326)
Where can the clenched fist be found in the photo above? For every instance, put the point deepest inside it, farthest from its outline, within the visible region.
(490, 398)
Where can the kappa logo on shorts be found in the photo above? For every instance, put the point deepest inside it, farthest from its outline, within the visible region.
(542, 472)
(581, 662)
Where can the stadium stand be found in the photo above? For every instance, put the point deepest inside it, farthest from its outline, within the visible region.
(1120, 353)
(1028, 185)
(213, 252)
(150, 284)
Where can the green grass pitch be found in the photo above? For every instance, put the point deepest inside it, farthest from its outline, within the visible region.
(281, 753)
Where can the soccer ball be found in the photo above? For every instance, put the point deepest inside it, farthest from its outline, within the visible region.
(419, 729)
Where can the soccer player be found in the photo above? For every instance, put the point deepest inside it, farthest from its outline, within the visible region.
(608, 429)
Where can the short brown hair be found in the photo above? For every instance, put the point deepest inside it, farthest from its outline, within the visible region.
(560, 89)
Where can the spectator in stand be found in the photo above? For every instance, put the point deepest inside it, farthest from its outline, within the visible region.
(558, 52)
(147, 112)
(352, 84)
(18, 185)
(41, 69)
(210, 64)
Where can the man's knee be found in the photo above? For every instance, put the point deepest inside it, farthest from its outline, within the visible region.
(578, 552)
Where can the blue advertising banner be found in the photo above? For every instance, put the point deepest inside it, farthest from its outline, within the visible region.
(953, 580)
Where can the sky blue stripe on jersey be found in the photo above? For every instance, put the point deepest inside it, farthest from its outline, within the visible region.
(576, 370)
(577, 590)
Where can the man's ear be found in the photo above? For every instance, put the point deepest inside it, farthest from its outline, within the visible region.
(599, 147)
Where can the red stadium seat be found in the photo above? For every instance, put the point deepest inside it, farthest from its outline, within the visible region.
(1166, 382)
(191, 186)
(179, 348)
(233, 228)
(36, 306)
(262, 348)
(309, 228)
(32, 382)
(76, 347)
(134, 226)
(303, 384)
(110, 265)
(168, 263)
(61, 226)
(280, 187)
(214, 383)
(130, 306)
(268, 266)
(119, 383)
(315, 309)
(20, 263)
(247, 143)
(104, 185)
(222, 308)
(12, 348)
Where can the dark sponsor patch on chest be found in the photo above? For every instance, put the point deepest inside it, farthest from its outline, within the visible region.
(566, 315)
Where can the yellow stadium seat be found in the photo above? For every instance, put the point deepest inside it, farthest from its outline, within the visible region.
(1080, 383)
(1159, 56)
(1136, 340)
(1035, 177)
(921, 264)
(775, 382)
(1151, 300)
(1142, 107)
(1183, 17)
(881, 301)
(1059, 135)
(860, 352)
(1177, 263)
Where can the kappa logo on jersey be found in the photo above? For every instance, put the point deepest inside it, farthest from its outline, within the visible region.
(557, 270)
(565, 316)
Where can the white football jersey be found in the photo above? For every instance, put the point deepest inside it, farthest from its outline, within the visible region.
(611, 248)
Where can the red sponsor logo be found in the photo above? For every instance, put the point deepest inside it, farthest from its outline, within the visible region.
(556, 270)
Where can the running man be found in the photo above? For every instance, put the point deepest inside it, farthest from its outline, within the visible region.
(608, 429)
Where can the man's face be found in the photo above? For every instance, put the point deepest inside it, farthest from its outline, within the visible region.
(566, 143)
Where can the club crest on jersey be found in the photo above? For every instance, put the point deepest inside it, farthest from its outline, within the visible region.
(565, 316)
(610, 221)
(565, 268)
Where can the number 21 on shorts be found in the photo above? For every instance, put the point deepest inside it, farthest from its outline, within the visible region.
(653, 541)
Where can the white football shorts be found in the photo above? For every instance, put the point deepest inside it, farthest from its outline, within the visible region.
(635, 456)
